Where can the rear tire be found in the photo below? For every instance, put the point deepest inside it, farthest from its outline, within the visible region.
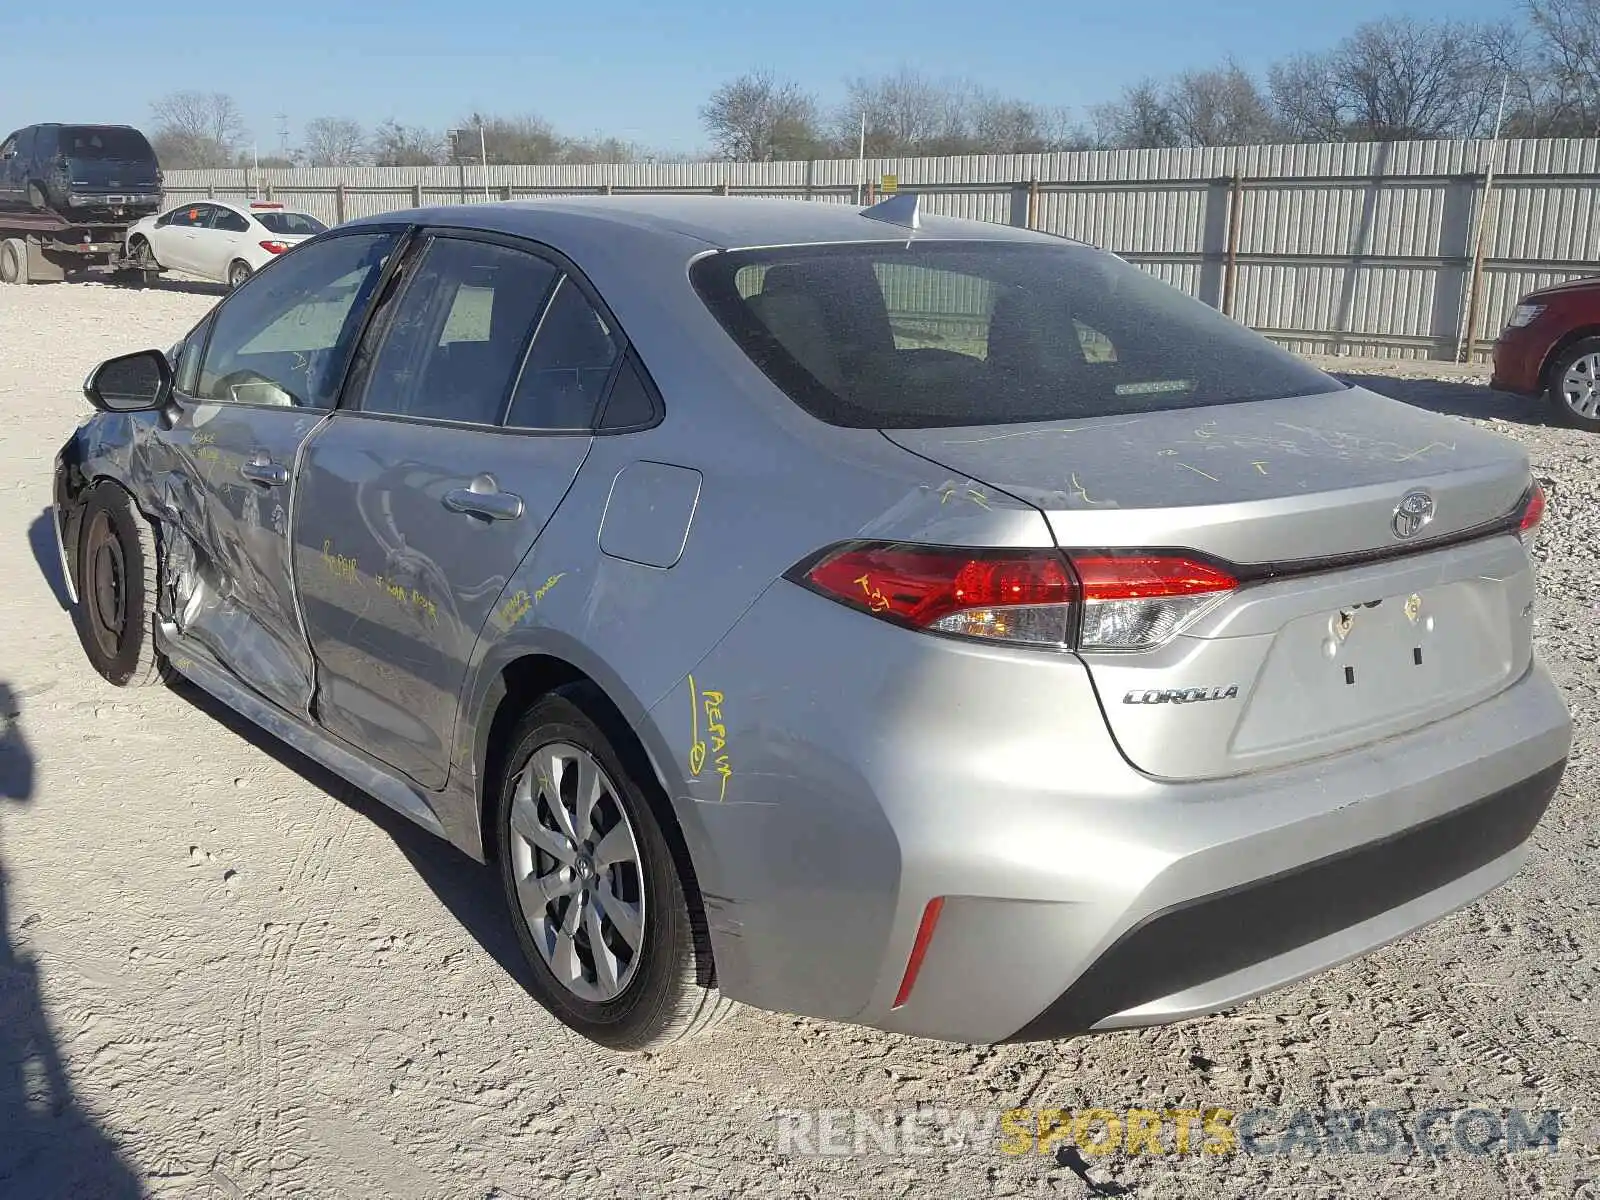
(238, 273)
(1574, 389)
(117, 588)
(665, 989)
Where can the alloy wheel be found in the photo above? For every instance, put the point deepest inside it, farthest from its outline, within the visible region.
(1580, 386)
(575, 859)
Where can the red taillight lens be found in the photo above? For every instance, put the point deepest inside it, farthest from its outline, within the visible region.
(1532, 514)
(274, 247)
(1094, 601)
(1009, 595)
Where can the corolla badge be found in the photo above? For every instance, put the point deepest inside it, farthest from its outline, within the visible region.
(1413, 514)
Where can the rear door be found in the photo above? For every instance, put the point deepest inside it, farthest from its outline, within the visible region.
(267, 378)
(419, 500)
(10, 163)
(220, 242)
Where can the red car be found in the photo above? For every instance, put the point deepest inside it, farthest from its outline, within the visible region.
(1551, 347)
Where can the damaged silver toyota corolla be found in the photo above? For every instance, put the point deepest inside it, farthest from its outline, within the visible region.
(893, 619)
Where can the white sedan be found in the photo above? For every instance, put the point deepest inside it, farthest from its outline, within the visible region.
(223, 240)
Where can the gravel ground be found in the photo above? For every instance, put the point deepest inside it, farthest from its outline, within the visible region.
(225, 974)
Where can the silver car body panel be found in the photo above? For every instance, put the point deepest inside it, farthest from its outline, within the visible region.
(830, 773)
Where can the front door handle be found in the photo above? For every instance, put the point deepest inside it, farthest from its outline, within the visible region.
(263, 470)
(484, 499)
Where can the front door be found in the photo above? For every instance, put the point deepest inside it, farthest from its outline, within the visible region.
(418, 502)
(268, 377)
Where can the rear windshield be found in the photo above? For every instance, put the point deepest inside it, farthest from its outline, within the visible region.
(890, 335)
(290, 224)
(89, 141)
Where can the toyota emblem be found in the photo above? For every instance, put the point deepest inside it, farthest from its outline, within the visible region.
(1413, 514)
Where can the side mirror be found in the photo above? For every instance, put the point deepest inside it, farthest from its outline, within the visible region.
(137, 382)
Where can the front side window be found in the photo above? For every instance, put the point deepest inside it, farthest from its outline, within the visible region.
(458, 332)
(890, 335)
(285, 336)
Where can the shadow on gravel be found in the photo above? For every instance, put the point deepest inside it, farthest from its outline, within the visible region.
(468, 889)
(1457, 399)
(42, 541)
(48, 1145)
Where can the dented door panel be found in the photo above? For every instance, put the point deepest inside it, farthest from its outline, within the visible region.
(231, 575)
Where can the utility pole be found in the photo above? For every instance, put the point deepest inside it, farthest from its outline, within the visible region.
(283, 135)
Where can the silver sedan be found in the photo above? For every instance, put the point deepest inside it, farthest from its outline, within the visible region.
(858, 613)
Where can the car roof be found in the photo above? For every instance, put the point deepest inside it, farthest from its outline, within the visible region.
(239, 206)
(714, 222)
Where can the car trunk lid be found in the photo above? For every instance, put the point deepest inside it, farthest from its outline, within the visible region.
(1342, 631)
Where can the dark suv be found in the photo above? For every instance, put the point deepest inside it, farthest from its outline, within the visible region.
(80, 171)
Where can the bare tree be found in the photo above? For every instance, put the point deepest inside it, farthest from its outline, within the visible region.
(397, 145)
(761, 118)
(196, 129)
(1389, 80)
(906, 113)
(1566, 43)
(1220, 107)
(335, 142)
(1140, 120)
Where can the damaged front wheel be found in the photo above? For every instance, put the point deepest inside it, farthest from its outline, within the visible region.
(117, 588)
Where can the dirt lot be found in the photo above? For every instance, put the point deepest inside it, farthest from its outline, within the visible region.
(225, 974)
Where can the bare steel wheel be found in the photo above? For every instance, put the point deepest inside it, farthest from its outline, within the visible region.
(576, 861)
(1575, 385)
(598, 881)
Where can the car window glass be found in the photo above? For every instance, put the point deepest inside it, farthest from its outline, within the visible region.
(930, 309)
(187, 217)
(929, 334)
(228, 221)
(284, 337)
(458, 332)
(630, 403)
(9, 149)
(567, 369)
(291, 224)
(186, 364)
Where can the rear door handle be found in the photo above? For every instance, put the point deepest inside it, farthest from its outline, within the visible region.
(484, 499)
(262, 470)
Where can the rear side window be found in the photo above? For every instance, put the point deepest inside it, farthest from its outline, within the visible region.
(458, 332)
(228, 221)
(568, 367)
(890, 335)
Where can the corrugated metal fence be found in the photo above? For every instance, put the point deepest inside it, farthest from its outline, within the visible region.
(1332, 249)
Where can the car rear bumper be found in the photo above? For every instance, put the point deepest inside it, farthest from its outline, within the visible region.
(1330, 862)
(884, 769)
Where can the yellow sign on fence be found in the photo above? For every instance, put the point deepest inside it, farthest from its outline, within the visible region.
(889, 185)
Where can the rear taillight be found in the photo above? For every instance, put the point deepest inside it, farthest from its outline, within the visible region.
(1088, 600)
(1140, 601)
(1004, 595)
(274, 247)
(1532, 514)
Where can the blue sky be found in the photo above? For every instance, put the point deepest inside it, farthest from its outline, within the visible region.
(631, 68)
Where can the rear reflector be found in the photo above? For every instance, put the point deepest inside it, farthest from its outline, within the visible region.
(1532, 514)
(919, 949)
(1090, 600)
